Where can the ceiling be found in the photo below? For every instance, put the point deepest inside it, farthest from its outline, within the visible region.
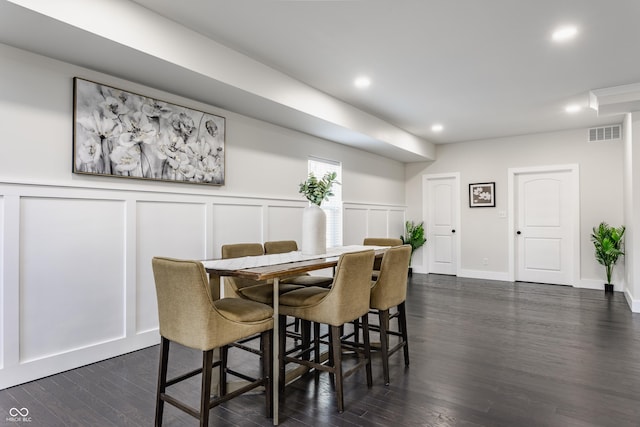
(482, 69)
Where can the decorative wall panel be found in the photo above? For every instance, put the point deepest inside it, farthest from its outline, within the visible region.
(355, 225)
(170, 229)
(71, 274)
(377, 226)
(285, 223)
(362, 221)
(236, 223)
(396, 223)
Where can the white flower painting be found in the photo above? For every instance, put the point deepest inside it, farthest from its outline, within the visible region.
(482, 195)
(118, 133)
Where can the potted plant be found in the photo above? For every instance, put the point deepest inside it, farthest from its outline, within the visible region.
(413, 236)
(608, 246)
(314, 220)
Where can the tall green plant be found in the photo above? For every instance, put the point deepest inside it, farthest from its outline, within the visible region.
(608, 244)
(414, 235)
(318, 190)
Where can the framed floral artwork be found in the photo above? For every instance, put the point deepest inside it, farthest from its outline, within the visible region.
(482, 195)
(123, 134)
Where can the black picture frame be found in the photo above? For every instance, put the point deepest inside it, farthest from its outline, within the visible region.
(482, 195)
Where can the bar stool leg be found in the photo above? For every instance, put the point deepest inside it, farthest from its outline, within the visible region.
(282, 327)
(337, 365)
(367, 348)
(205, 392)
(306, 338)
(316, 347)
(383, 316)
(162, 379)
(224, 357)
(402, 319)
(266, 341)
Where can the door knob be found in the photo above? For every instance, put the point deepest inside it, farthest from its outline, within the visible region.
(518, 232)
(453, 231)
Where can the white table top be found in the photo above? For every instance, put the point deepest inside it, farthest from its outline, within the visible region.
(283, 258)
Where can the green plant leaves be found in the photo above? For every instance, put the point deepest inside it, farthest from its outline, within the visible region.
(608, 244)
(318, 190)
(414, 235)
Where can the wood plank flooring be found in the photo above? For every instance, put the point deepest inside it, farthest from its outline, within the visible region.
(483, 353)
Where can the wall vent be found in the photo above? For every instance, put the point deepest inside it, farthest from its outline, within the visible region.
(605, 133)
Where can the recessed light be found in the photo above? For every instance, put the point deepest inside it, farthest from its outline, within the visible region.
(362, 82)
(572, 108)
(564, 33)
(437, 128)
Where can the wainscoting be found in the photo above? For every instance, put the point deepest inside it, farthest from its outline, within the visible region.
(76, 281)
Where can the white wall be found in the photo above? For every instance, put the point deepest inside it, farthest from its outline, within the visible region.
(36, 97)
(75, 250)
(484, 234)
(632, 208)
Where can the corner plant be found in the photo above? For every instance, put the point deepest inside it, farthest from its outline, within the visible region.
(318, 190)
(414, 235)
(608, 245)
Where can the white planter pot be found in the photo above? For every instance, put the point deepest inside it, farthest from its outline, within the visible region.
(314, 231)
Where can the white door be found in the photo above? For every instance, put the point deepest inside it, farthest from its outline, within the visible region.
(442, 206)
(544, 213)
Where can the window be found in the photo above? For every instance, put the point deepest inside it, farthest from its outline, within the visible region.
(332, 207)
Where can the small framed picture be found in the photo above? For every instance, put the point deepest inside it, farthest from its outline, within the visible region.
(482, 195)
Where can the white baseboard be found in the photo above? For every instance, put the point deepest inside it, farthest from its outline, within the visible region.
(634, 304)
(483, 274)
(29, 371)
(595, 284)
(472, 274)
(419, 269)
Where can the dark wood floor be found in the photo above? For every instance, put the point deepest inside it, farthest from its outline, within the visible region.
(482, 354)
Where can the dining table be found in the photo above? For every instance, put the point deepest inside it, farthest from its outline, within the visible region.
(274, 267)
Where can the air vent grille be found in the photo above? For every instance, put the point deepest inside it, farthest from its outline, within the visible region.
(605, 133)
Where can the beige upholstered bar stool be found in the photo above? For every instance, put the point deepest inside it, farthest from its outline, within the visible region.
(284, 246)
(347, 300)
(380, 241)
(390, 290)
(188, 315)
(260, 291)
